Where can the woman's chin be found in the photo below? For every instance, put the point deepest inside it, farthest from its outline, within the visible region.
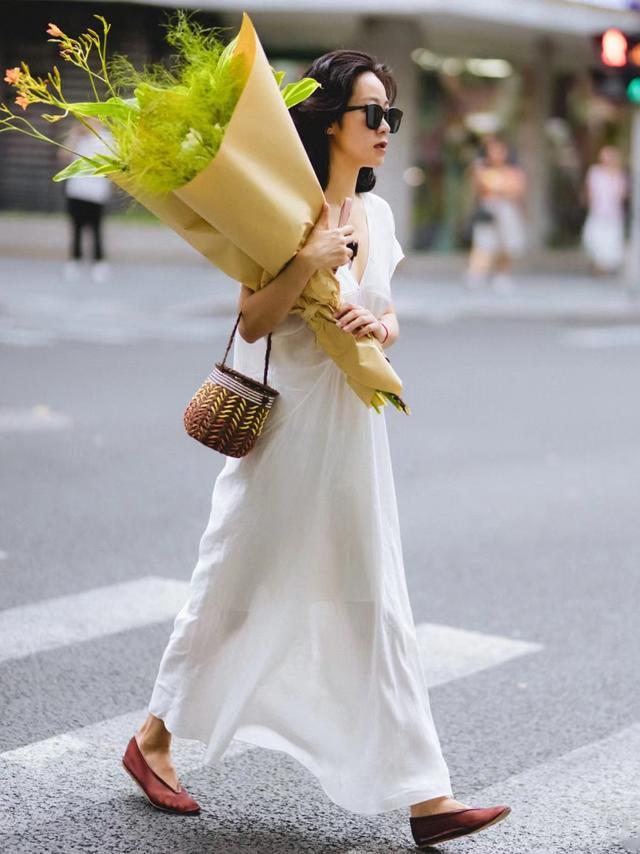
(375, 161)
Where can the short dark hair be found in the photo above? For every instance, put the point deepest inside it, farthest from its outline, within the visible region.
(336, 71)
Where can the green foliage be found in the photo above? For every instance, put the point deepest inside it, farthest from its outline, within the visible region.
(116, 109)
(182, 112)
(87, 167)
(170, 126)
(294, 93)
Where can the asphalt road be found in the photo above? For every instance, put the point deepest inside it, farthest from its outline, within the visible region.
(518, 482)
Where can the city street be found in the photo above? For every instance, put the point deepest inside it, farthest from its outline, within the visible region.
(518, 482)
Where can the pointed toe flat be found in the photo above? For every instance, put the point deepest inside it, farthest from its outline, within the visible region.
(158, 793)
(432, 829)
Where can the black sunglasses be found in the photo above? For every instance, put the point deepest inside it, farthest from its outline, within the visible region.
(375, 114)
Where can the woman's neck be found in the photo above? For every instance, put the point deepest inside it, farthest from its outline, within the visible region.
(342, 183)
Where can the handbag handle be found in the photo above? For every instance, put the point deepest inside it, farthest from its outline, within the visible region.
(266, 358)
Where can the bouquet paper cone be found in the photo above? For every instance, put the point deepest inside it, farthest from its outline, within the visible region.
(195, 230)
(250, 210)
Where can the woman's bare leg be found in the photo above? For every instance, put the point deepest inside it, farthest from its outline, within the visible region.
(154, 741)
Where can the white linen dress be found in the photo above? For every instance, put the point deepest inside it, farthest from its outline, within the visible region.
(298, 634)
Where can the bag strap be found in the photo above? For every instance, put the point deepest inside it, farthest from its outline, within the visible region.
(266, 358)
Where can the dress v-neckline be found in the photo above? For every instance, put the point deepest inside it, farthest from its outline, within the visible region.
(368, 226)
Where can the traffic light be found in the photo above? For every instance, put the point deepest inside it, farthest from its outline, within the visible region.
(617, 74)
(614, 48)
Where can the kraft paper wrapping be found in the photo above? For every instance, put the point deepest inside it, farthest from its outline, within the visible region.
(252, 208)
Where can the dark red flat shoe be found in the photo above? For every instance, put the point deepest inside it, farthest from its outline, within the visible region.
(433, 829)
(158, 793)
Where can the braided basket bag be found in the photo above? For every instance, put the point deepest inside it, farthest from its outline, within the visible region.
(229, 410)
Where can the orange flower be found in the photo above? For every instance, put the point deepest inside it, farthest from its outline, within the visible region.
(22, 101)
(55, 31)
(12, 76)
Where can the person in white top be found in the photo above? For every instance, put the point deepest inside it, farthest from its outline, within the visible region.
(606, 188)
(86, 198)
(298, 634)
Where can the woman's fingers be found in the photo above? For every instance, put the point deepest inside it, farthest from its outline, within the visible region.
(348, 315)
(365, 330)
(350, 318)
(346, 306)
(355, 324)
(356, 319)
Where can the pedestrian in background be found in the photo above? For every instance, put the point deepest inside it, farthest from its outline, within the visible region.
(86, 198)
(606, 188)
(498, 235)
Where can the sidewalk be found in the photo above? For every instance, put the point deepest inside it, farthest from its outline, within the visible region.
(427, 287)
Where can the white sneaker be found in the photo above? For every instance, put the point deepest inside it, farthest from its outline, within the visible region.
(100, 271)
(72, 271)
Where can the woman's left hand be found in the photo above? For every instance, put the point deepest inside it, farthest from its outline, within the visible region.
(357, 320)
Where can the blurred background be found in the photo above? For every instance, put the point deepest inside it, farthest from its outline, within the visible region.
(514, 181)
(529, 71)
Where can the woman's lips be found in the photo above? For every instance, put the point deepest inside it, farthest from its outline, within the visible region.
(381, 145)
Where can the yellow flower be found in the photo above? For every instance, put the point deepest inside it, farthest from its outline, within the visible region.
(12, 76)
(22, 101)
(55, 31)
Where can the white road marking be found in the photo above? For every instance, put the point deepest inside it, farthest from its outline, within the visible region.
(449, 653)
(578, 802)
(43, 320)
(39, 417)
(40, 626)
(62, 774)
(600, 337)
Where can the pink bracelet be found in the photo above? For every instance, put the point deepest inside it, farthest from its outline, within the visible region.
(385, 329)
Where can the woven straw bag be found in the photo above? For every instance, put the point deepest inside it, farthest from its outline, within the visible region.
(229, 410)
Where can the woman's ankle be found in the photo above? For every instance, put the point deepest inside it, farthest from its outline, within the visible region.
(152, 745)
(153, 736)
(433, 806)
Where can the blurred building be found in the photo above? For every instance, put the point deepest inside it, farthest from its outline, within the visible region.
(463, 69)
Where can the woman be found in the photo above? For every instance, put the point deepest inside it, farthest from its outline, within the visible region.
(498, 235)
(603, 233)
(298, 634)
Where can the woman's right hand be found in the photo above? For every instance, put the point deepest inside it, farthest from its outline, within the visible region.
(327, 247)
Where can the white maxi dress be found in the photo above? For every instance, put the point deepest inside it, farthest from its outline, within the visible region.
(298, 633)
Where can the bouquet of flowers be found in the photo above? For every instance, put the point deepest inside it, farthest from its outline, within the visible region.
(208, 145)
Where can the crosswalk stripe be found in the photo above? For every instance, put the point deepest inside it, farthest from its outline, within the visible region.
(40, 626)
(38, 772)
(450, 653)
(575, 802)
(59, 775)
